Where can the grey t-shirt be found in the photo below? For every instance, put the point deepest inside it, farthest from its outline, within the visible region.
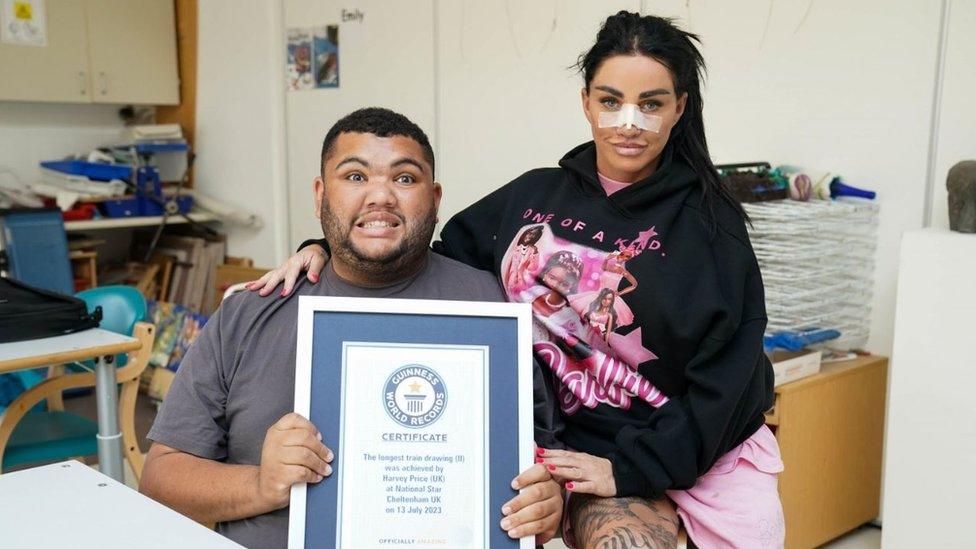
(238, 378)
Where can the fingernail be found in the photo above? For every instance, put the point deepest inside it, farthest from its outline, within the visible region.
(569, 485)
(284, 293)
(318, 478)
(539, 460)
(329, 456)
(328, 470)
(506, 510)
(313, 278)
(319, 435)
(506, 524)
(551, 467)
(540, 451)
(515, 484)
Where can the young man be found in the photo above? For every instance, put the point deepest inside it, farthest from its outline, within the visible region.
(226, 447)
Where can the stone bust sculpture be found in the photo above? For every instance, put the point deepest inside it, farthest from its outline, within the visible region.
(961, 183)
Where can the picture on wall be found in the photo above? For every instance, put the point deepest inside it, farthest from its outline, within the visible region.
(326, 49)
(298, 69)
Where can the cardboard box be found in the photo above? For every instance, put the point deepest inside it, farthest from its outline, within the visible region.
(160, 382)
(789, 367)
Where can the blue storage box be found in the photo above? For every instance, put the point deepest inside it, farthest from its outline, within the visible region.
(91, 170)
(141, 206)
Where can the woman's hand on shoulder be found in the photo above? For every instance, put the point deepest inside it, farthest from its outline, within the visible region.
(310, 259)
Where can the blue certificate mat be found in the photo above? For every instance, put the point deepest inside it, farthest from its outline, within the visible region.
(427, 407)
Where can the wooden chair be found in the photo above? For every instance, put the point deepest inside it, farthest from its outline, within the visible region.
(29, 436)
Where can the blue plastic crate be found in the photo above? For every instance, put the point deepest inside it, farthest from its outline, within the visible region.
(141, 206)
(91, 170)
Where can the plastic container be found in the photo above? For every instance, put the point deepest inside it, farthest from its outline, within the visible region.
(169, 157)
(132, 206)
(91, 170)
(79, 212)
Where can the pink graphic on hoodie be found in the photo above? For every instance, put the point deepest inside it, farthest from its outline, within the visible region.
(575, 331)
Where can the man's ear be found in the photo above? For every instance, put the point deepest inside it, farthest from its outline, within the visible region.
(318, 190)
(438, 192)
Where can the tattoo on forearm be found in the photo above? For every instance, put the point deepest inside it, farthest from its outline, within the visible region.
(619, 523)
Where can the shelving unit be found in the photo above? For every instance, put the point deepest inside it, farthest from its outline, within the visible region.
(123, 222)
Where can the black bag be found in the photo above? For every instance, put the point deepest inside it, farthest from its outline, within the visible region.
(32, 313)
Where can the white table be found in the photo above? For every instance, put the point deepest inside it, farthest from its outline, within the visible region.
(100, 345)
(69, 504)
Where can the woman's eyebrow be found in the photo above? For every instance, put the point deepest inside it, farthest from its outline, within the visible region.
(643, 95)
(652, 93)
(612, 91)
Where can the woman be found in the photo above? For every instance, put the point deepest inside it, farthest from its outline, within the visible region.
(601, 315)
(666, 419)
(524, 259)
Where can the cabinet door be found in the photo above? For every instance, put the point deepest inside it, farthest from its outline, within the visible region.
(132, 50)
(55, 72)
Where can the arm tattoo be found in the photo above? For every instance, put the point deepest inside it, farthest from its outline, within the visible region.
(619, 523)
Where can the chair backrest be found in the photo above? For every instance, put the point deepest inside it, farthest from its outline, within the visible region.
(122, 306)
(37, 248)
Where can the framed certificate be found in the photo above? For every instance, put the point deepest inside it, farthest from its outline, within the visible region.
(427, 407)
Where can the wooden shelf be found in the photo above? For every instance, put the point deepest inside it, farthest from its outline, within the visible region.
(121, 222)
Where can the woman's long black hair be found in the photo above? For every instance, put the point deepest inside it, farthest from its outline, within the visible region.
(628, 33)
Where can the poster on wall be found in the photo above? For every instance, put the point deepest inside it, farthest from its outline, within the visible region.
(326, 49)
(23, 22)
(313, 58)
(298, 70)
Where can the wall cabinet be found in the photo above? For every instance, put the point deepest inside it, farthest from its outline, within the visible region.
(98, 51)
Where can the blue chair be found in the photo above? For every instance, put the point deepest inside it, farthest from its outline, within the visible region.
(29, 437)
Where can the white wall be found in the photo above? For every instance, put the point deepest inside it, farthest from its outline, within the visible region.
(239, 133)
(32, 132)
(957, 123)
(386, 60)
(829, 84)
(830, 93)
(849, 90)
(509, 101)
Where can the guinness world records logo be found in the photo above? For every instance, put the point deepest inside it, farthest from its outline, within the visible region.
(414, 396)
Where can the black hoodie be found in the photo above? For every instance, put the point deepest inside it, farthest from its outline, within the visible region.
(664, 376)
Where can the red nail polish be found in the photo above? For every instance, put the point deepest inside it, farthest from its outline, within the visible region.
(540, 451)
(551, 467)
(569, 485)
(539, 460)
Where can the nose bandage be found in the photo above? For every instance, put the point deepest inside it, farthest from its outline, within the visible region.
(629, 116)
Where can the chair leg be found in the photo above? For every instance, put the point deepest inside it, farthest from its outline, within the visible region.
(55, 402)
(127, 420)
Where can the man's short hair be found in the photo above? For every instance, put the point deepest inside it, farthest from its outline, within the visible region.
(381, 123)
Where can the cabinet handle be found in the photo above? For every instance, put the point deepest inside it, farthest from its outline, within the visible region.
(104, 81)
(82, 85)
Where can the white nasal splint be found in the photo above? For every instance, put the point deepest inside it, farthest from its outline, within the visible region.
(629, 116)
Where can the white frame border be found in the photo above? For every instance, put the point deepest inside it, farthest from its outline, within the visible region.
(309, 305)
